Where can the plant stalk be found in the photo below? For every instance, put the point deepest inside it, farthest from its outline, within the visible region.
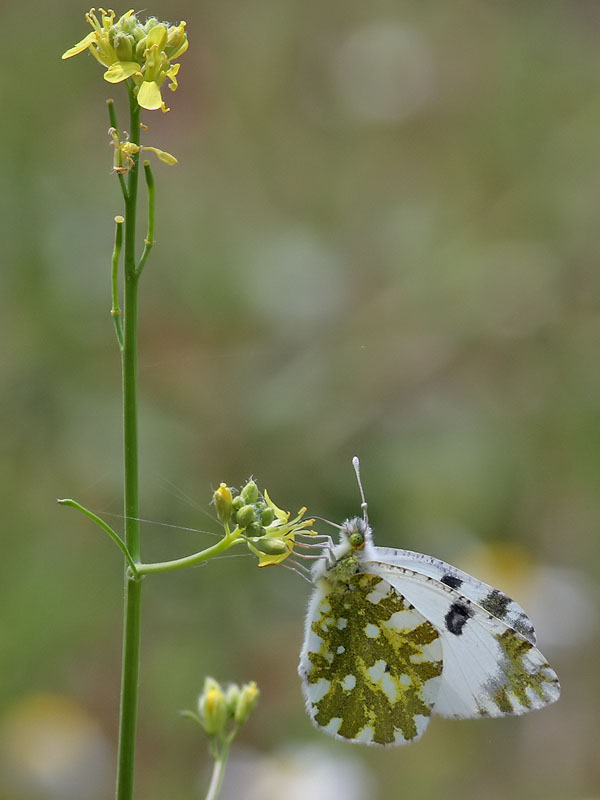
(133, 587)
(218, 772)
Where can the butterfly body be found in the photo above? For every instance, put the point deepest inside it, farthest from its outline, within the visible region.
(394, 636)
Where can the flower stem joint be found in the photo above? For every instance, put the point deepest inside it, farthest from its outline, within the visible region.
(128, 48)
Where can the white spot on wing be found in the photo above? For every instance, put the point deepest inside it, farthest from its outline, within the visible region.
(317, 691)
(349, 682)
(372, 631)
(341, 623)
(366, 735)
(378, 593)
(402, 620)
(376, 671)
(314, 642)
(389, 687)
(333, 725)
(421, 723)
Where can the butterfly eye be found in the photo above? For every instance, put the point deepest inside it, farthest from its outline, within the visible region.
(356, 539)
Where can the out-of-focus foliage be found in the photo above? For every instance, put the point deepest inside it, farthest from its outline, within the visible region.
(381, 239)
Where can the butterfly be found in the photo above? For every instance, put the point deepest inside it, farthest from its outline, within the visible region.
(393, 636)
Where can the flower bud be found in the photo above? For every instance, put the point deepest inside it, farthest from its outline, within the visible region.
(212, 707)
(267, 516)
(238, 502)
(140, 49)
(250, 492)
(232, 698)
(248, 699)
(255, 529)
(271, 545)
(245, 516)
(123, 46)
(137, 32)
(223, 499)
(175, 38)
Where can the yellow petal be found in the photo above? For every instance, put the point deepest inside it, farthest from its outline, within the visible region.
(120, 71)
(126, 15)
(81, 46)
(167, 158)
(171, 73)
(149, 96)
(266, 560)
(279, 513)
(158, 36)
(181, 49)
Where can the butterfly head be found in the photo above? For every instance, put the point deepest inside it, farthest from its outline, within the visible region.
(355, 533)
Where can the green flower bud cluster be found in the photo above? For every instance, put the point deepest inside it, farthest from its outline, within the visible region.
(221, 711)
(251, 516)
(247, 510)
(250, 511)
(131, 38)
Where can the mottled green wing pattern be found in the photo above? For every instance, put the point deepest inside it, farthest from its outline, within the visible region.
(371, 663)
(526, 680)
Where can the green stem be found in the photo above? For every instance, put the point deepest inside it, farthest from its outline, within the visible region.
(105, 527)
(190, 561)
(149, 240)
(133, 588)
(218, 772)
(115, 309)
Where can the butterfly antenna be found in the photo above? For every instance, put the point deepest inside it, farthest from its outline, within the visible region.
(363, 505)
(327, 521)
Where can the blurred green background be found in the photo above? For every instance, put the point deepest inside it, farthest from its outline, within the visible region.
(382, 239)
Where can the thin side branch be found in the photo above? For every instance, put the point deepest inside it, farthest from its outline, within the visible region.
(149, 240)
(113, 534)
(114, 124)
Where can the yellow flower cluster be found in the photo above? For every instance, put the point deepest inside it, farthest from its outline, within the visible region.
(130, 49)
(217, 708)
(267, 530)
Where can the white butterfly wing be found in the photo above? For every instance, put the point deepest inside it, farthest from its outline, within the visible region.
(492, 600)
(489, 668)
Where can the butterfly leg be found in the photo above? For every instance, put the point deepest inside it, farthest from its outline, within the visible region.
(320, 542)
(299, 569)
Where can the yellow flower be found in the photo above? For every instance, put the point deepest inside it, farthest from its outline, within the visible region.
(130, 49)
(124, 151)
(278, 541)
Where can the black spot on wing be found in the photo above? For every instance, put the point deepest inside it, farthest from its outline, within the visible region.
(457, 617)
(452, 581)
(523, 626)
(496, 603)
